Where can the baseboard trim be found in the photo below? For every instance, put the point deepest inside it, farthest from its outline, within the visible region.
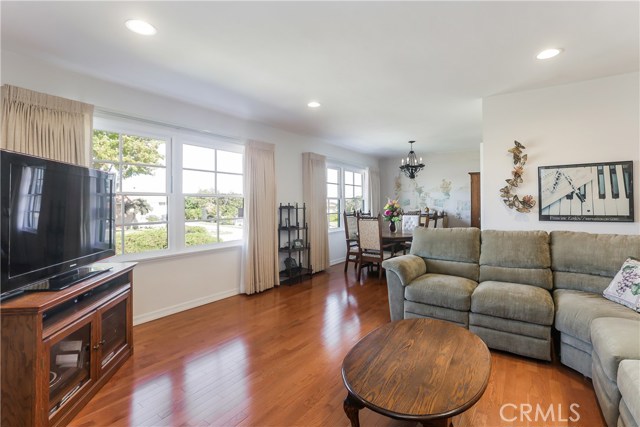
(157, 314)
(333, 262)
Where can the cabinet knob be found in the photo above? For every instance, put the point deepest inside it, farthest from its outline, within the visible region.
(96, 347)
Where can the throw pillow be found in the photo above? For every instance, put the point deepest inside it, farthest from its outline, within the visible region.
(625, 287)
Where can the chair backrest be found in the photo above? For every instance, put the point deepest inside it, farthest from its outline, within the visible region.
(350, 226)
(424, 219)
(369, 233)
(409, 222)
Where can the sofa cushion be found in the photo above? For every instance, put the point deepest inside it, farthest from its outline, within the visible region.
(510, 326)
(591, 254)
(613, 340)
(580, 281)
(441, 290)
(625, 419)
(516, 249)
(629, 385)
(513, 301)
(516, 257)
(575, 310)
(453, 268)
(460, 245)
(417, 310)
(540, 277)
(625, 286)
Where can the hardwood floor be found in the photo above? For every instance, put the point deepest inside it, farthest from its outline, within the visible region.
(274, 359)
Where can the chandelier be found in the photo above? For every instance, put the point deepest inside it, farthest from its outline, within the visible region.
(412, 165)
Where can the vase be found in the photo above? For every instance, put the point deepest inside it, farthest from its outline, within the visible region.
(392, 226)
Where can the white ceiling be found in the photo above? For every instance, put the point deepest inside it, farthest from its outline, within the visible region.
(385, 72)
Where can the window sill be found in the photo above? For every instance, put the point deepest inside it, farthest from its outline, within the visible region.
(157, 256)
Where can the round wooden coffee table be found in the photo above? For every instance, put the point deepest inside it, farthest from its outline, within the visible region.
(422, 370)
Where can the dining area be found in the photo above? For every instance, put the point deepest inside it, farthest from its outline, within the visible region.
(370, 239)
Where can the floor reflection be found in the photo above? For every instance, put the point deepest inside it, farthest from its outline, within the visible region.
(341, 321)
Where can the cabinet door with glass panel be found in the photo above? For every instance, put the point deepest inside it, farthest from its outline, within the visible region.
(115, 337)
(70, 363)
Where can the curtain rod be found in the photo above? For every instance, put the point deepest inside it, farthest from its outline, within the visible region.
(111, 113)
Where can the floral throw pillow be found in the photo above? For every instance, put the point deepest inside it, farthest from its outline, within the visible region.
(625, 287)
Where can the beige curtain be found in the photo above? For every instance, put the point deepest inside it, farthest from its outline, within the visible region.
(46, 126)
(260, 223)
(373, 180)
(314, 186)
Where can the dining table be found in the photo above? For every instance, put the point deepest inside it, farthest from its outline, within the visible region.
(398, 236)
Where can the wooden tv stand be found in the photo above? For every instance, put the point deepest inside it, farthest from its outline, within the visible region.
(59, 348)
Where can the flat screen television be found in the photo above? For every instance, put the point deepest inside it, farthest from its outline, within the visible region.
(55, 219)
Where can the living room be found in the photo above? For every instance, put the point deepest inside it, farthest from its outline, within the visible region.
(583, 114)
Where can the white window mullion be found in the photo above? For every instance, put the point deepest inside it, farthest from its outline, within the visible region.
(176, 200)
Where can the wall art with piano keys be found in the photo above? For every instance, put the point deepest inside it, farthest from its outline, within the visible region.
(586, 192)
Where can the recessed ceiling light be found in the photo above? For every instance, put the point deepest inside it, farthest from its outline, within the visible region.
(140, 27)
(548, 53)
(313, 104)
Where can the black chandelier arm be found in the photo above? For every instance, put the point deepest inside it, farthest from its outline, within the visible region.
(412, 167)
(411, 170)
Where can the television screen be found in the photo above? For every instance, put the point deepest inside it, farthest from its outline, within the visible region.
(56, 217)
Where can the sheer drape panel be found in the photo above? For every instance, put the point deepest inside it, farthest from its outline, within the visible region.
(260, 226)
(314, 186)
(373, 178)
(46, 126)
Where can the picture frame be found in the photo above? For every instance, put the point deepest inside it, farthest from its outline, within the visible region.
(297, 244)
(600, 192)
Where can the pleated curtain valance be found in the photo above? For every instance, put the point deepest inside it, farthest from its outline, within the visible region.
(46, 126)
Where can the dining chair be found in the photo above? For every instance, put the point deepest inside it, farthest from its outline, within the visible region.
(409, 222)
(433, 220)
(371, 249)
(424, 218)
(351, 236)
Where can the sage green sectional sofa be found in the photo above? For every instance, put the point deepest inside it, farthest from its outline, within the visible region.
(514, 288)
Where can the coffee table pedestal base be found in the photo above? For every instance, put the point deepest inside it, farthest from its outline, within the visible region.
(352, 406)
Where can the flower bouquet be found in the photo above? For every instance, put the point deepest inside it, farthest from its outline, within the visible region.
(392, 213)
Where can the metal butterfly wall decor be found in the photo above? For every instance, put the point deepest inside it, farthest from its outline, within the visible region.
(509, 198)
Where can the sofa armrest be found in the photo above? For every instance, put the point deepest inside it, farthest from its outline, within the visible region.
(406, 267)
(400, 272)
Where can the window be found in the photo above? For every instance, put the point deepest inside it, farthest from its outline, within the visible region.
(174, 191)
(353, 200)
(139, 164)
(213, 202)
(333, 197)
(345, 191)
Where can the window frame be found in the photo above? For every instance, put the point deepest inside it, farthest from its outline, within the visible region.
(221, 146)
(342, 170)
(175, 139)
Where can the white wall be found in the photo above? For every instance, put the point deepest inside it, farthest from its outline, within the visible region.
(444, 184)
(168, 285)
(591, 121)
